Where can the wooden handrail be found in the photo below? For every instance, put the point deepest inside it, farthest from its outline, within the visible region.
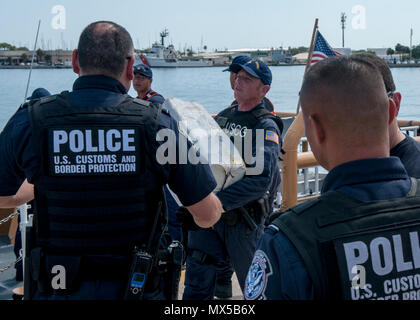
(408, 123)
(306, 160)
(289, 163)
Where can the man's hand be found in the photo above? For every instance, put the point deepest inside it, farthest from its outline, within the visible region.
(207, 211)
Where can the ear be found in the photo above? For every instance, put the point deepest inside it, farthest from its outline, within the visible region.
(318, 128)
(265, 89)
(397, 100)
(392, 110)
(75, 61)
(130, 70)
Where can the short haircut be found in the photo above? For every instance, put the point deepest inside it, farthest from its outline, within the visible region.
(383, 68)
(104, 46)
(349, 93)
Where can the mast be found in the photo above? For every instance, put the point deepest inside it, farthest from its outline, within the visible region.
(163, 35)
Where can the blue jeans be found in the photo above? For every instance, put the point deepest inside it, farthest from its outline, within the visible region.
(222, 242)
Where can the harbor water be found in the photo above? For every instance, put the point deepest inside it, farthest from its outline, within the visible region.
(208, 86)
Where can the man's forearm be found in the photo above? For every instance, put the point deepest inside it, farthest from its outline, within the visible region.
(23, 195)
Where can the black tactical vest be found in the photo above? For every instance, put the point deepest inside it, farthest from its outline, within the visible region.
(96, 190)
(355, 250)
(236, 123)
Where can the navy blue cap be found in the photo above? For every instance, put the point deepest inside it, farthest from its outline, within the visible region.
(238, 60)
(255, 68)
(144, 70)
(39, 93)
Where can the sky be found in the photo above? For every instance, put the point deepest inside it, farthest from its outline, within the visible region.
(217, 24)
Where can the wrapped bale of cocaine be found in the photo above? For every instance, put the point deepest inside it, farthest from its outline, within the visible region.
(209, 142)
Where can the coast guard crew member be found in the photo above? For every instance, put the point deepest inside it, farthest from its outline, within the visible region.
(402, 146)
(359, 239)
(248, 201)
(142, 83)
(91, 156)
(232, 78)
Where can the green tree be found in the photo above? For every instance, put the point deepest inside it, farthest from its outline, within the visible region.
(390, 51)
(40, 54)
(6, 46)
(24, 57)
(48, 58)
(400, 49)
(415, 53)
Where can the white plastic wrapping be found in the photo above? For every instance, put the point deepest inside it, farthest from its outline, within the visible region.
(215, 147)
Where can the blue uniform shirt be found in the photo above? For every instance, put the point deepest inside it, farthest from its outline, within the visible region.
(277, 271)
(17, 156)
(408, 151)
(253, 187)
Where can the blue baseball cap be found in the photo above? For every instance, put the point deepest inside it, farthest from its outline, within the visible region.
(39, 93)
(238, 60)
(144, 70)
(255, 68)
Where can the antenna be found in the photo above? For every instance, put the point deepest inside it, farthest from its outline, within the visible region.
(411, 42)
(343, 24)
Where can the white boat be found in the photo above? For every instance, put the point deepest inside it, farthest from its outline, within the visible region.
(166, 57)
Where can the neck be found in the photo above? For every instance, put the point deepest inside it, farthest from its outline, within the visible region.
(142, 94)
(395, 135)
(122, 79)
(348, 155)
(248, 105)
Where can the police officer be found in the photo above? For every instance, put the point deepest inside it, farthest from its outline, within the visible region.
(91, 156)
(332, 247)
(247, 201)
(142, 83)
(402, 145)
(234, 72)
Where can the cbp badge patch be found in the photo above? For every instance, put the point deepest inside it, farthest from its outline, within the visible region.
(256, 279)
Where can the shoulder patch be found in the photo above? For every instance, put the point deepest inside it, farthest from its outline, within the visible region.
(256, 280)
(272, 136)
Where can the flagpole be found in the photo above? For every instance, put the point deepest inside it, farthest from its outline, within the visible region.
(311, 51)
(290, 146)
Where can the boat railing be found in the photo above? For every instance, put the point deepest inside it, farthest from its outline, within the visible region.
(298, 157)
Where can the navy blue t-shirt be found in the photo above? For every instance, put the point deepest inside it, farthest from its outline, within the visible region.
(277, 271)
(18, 160)
(408, 151)
(253, 187)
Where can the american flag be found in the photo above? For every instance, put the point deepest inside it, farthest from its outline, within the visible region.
(322, 49)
